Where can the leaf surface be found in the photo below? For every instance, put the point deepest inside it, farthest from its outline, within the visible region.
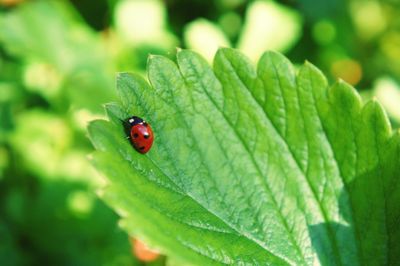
(252, 165)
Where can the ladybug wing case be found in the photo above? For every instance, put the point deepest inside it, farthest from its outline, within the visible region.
(142, 137)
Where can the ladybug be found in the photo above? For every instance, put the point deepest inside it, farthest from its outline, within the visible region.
(140, 133)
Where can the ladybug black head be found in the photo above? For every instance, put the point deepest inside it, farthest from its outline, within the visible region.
(134, 120)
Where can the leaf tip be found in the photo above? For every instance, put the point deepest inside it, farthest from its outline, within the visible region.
(308, 64)
(114, 112)
(342, 92)
(375, 113)
(272, 54)
(154, 59)
(224, 53)
(272, 57)
(224, 49)
(122, 76)
(94, 130)
(93, 124)
(221, 51)
(310, 72)
(154, 66)
(183, 53)
(150, 59)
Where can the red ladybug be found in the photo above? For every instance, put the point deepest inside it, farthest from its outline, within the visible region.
(141, 134)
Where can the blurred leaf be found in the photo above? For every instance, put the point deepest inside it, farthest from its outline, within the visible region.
(231, 24)
(368, 17)
(61, 235)
(387, 91)
(41, 139)
(50, 32)
(269, 26)
(253, 166)
(324, 32)
(205, 38)
(43, 79)
(143, 22)
(44, 143)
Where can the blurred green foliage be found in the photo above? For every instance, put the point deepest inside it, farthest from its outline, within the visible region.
(58, 61)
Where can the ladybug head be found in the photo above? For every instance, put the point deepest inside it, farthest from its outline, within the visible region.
(134, 120)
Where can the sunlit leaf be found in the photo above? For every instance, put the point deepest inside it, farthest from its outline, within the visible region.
(257, 166)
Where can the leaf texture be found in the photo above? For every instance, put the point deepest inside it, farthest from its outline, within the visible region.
(252, 165)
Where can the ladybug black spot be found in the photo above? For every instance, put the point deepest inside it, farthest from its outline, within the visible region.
(135, 135)
(142, 148)
(146, 136)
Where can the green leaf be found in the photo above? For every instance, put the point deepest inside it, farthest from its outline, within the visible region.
(52, 35)
(258, 166)
(269, 25)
